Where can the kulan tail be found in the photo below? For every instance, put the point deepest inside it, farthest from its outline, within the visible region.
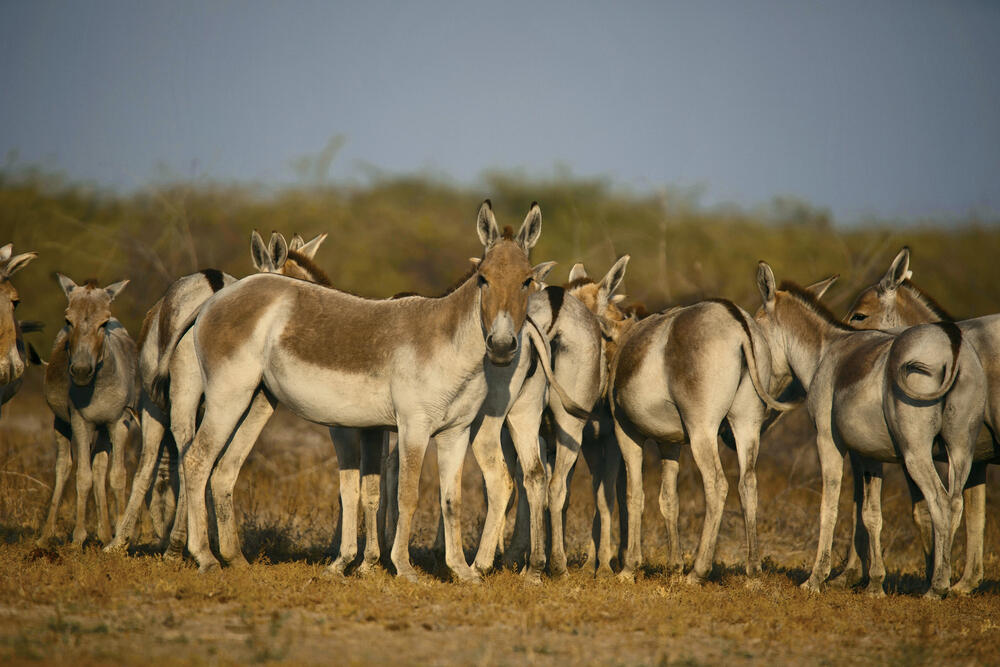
(917, 346)
(751, 359)
(160, 386)
(545, 360)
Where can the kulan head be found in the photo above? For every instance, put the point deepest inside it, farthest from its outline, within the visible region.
(506, 279)
(894, 301)
(87, 316)
(600, 298)
(11, 357)
(293, 258)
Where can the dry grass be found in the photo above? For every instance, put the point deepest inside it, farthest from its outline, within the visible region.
(88, 606)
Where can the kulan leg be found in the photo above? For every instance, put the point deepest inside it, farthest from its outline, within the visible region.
(99, 465)
(630, 444)
(118, 433)
(347, 444)
(83, 438)
(153, 425)
(524, 422)
(489, 455)
(64, 463)
(227, 471)
(713, 477)
(853, 571)
(831, 460)
(872, 518)
(371, 458)
(413, 441)
(669, 505)
(975, 525)
(452, 446)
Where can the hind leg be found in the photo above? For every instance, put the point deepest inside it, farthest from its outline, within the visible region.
(452, 446)
(975, 525)
(604, 500)
(346, 443)
(872, 517)
(223, 479)
(853, 571)
(153, 425)
(831, 460)
(706, 457)
(630, 444)
(920, 466)
(371, 455)
(922, 518)
(524, 421)
(413, 441)
(669, 504)
(64, 463)
(163, 494)
(569, 441)
(118, 433)
(747, 437)
(389, 504)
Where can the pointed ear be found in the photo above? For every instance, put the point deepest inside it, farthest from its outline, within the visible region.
(486, 225)
(277, 248)
(17, 263)
(531, 228)
(309, 249)
(5, 252)
(766, 285)
(115, 289)
(261, 255)
(610, 282)
(577, 272)
(618, 298)
(818, 289)
(296, 242)
(475, 260)
(898, 271)
(540, 271)
(66, 284)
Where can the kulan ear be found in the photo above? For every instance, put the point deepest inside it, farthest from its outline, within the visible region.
(5, 252)
(277, 247)
(309, 249)
(540, 271)
(260, 254)
(66, 283)
(475, 260)
(296, 242)
(577, 272)
(486, 225)
(766, 285)
(818, 289)
(115, 289)
(898, 271)
(531, 228)
(17, 263)
(610, 282)
(618, 298)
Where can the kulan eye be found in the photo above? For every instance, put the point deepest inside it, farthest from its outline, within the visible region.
(483, 282)
(527, 283)
(858, 317)
(16, 303)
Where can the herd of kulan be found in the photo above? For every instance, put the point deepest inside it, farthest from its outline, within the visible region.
(530, 375)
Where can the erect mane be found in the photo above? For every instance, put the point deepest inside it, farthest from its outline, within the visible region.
(319, 277)
(809, 300)
(579, 282)
(928, 301)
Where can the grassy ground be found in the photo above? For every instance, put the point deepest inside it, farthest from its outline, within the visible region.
(92, 607)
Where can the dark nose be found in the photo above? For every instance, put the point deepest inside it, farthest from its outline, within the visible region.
(501, 349)
(81, 372)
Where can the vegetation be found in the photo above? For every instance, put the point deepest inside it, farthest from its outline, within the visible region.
(415, 234)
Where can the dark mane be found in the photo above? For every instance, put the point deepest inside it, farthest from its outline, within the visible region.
(508, 233)
(928, 301)
(319, 277)
(90, 282)
(809, 300)
(579, 282)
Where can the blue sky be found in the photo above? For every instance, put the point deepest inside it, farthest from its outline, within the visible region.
(867, 108)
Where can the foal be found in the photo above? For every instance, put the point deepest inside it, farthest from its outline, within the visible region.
(90, 383)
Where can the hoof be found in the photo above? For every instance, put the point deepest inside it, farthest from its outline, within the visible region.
(173, 555)
(368, 568)
(693, 579)
(810, 586)
(77, 545)
(557, 570)
(338, 567)
(963, 588)
(604, 572)
(238, 563)
(935, 593)
(875, 590)
(466, 575)
(846, 579)
(626, 577)
(754, 584)
(753, 570)
(532, 576)
(45, 541)
(408, 574)
(209, 567)
(116, 546)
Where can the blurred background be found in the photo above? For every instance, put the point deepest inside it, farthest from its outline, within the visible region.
(146, 141)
